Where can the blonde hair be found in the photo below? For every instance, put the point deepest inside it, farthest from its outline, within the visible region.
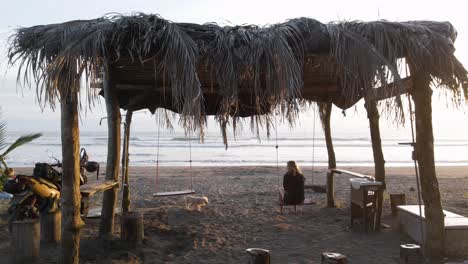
(293, 168)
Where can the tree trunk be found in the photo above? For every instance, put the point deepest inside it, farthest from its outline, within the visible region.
(71, 197)
(125, 161)
(434, 241)
(379, 162)
(325, 116)
(106, 228)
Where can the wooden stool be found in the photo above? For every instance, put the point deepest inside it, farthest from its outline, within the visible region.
(258, 256)
(410, 254)
(333, 258)
(25, 240)
(51, 226)
(397, 199)
(131, 228)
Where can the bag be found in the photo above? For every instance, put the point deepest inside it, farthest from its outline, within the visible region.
(44, 170)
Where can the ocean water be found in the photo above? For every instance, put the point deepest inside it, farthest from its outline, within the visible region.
(245, 149)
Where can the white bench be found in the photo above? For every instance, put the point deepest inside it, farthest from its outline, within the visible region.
(456, 228)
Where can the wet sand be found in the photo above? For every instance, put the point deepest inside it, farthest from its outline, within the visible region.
(242, 213)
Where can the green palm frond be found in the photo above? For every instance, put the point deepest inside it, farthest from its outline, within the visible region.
(19, 142)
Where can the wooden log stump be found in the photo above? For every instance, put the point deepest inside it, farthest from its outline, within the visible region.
(132, 229)
(25, 240)
(397, 199)
(258, 256)
(410, 254)
(51, 227)
(333, 258)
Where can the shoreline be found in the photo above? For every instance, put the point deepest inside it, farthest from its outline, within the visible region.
(406, 171)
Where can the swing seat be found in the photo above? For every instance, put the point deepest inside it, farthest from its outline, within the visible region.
(281, 204)
(174, 193)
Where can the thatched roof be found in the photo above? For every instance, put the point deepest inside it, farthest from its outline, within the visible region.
(236, 71)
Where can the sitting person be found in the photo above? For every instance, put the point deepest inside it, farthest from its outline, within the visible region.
(293, 184)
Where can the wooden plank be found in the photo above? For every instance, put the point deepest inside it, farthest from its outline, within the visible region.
(352, 173)
(174, 193)
(392, 89)
(93, 188)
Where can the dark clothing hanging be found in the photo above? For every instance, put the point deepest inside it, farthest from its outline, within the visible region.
(294, 188)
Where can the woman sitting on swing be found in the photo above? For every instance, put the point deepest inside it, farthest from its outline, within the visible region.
(292, 192)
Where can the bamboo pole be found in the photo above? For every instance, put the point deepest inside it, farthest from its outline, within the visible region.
(125, 161)
(421, 94)
(379, 161)
(106, 228)
(325, 117)
(71, 197)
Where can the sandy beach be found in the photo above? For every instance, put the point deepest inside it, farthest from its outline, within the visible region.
(242, 213)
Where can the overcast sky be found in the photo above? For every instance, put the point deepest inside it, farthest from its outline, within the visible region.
(24, 114)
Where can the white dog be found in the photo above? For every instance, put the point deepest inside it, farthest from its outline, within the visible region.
(195, 202)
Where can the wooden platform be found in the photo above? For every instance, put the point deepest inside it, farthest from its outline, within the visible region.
(174, 193)
(456, 228)
(91, 189)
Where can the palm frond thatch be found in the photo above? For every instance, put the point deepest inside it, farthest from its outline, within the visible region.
(251, 70)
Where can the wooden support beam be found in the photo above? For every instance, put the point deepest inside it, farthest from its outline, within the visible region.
(125, 161)
(71, 197)
(421, 94)
(325, 116)
(392, 89)
(379, 161)
(106, 228)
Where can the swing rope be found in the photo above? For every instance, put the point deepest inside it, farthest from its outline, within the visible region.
(313, 144)
(416, 170)
(277, 152)
(172, 193)
(157, 153)
(190, 157)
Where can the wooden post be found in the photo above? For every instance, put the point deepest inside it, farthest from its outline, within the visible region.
(25, 240)
(106, 228)
(70, 194)
(330, 189)
(333, 258)
(325, 116)
(132, 228)
(421, 94)
(125, 161)
(51, 225)
(410, 254)
(379, 162)
(258, 256)
(397, 199)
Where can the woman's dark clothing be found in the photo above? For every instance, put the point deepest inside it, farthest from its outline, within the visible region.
(294, 188)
